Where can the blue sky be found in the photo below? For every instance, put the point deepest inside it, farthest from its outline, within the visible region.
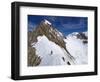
(64, 24)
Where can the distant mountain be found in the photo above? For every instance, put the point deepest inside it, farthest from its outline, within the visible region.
(83, 36)
(47, 46)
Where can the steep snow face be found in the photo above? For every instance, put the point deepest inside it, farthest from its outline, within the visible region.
(47, 22)
(77, 49)
(49, 52)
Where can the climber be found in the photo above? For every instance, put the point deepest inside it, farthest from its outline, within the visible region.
(51, 52)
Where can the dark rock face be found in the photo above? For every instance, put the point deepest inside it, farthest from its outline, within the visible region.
(33, 59)
(82, 36)
(85, 42)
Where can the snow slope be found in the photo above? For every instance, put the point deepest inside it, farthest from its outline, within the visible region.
(49, 52)
(77, 49)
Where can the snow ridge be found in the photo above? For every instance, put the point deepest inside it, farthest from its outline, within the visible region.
(49, 52)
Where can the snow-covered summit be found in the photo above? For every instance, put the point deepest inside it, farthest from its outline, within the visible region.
(47, 22)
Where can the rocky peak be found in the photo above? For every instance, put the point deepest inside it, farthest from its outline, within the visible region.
(46, 28)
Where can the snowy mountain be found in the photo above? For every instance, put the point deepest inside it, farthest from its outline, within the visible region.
(47, 46)
(50, 53)
(76, 44)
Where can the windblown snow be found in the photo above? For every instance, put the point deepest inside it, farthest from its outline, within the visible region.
(49, 52)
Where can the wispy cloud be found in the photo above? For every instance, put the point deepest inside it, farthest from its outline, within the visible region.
(31, 26)
(53, 18)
